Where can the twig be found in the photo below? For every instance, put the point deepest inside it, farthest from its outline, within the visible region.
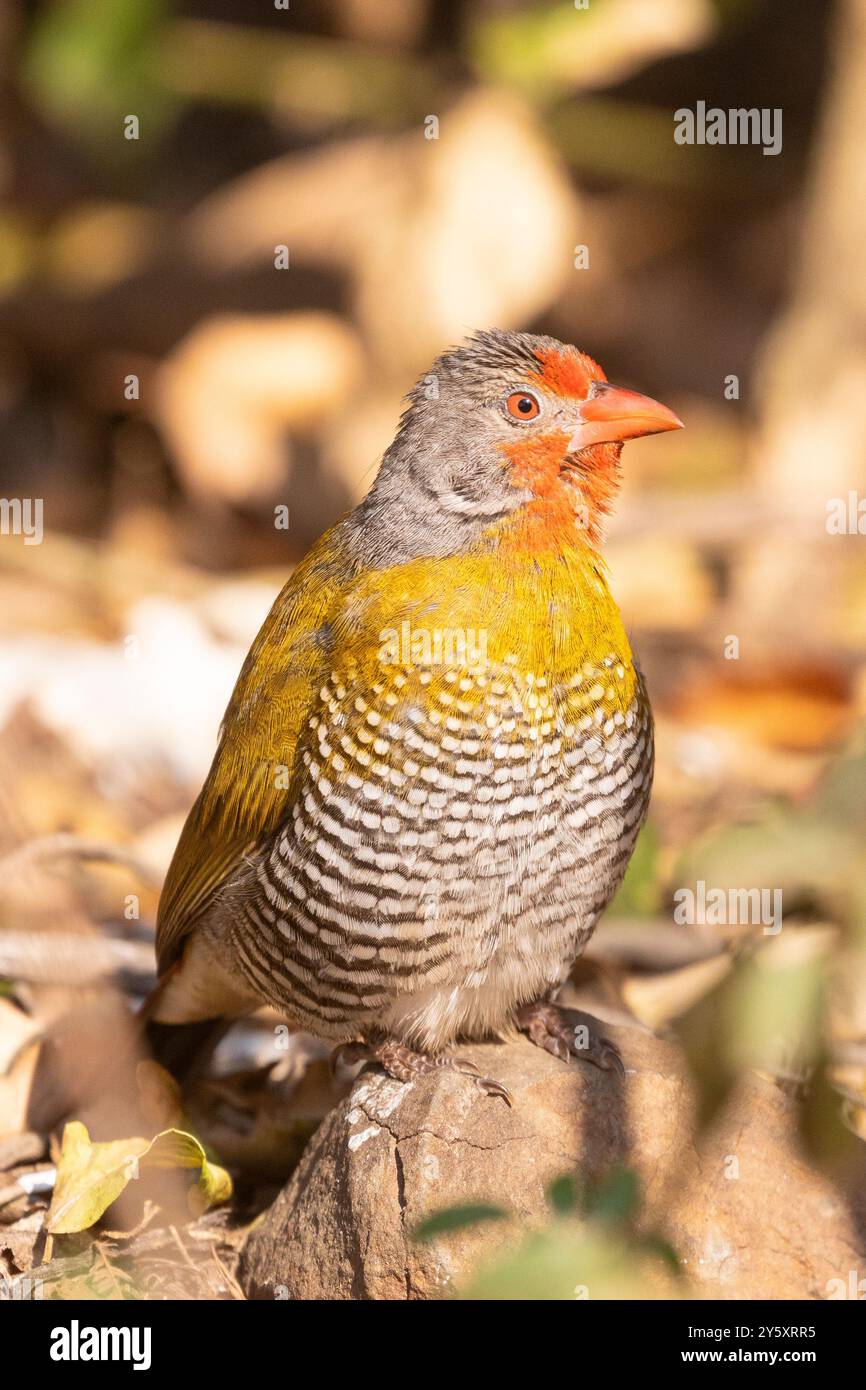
(234, 1287)
(183, 1250)
(151, 1209)
(65, 845)
(48, 958)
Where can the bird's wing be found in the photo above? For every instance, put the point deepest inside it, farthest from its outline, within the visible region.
(245, 796)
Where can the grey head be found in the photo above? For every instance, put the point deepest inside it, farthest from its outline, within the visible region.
(482, 433)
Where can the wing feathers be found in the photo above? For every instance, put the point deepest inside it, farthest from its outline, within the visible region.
(249, 786)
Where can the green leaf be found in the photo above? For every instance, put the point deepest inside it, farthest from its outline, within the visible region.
(87, 66)
(563, 1264)
(615, 1199)
(657, 1245)
(562, 1194)
(89, 1178)
(174, 1148)
(457, 1219)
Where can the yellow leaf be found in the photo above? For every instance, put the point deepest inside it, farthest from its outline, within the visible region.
(174, 1148)
(92, 1176)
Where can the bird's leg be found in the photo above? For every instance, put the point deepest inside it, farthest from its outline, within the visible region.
(550, 1027)
(405, 1064)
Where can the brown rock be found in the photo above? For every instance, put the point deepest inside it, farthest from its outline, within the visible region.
(746, 1214)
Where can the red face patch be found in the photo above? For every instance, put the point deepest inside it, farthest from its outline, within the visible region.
(536, 463)
(549, 520)
(568, 372)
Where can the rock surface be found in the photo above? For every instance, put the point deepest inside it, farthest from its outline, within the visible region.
(745, 1213)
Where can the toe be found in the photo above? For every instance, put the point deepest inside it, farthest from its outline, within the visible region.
(484, 1083)
(461, 1064)
(604, 1054)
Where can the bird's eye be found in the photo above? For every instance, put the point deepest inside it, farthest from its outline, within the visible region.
(522, 405)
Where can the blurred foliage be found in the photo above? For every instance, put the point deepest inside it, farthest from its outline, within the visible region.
(540, 48)
(88, 66)
(640, 892)
(765, 1014)
(457, 1219)
(814, 853)
(591, 1248)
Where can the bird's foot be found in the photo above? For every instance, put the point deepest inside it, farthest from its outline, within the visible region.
(549, 1027)
(404, 1064)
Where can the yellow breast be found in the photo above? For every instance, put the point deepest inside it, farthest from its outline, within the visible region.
(547, 619)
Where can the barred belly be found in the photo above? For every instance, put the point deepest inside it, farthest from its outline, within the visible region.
(451, 845)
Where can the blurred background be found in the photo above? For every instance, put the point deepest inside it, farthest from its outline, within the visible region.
(231, 236)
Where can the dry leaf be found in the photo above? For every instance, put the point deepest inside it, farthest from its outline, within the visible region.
(92, 1176)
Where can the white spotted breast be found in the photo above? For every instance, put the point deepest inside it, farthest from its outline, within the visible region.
(452, 841)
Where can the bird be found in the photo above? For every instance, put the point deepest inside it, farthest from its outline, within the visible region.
(438, 755)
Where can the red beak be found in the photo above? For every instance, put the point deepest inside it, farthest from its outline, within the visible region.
(611, 413)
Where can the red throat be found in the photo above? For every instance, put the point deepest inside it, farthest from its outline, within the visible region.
(570, 496)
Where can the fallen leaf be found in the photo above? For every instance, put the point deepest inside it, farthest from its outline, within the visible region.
(92, 1176)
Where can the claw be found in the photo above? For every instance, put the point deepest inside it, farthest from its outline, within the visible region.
(612, 1060)
(459, 1064)
(604, 1055)
(347, 1055)
(494, 1089)
(484, 1083)
(544, 1024)
(403, 1064)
